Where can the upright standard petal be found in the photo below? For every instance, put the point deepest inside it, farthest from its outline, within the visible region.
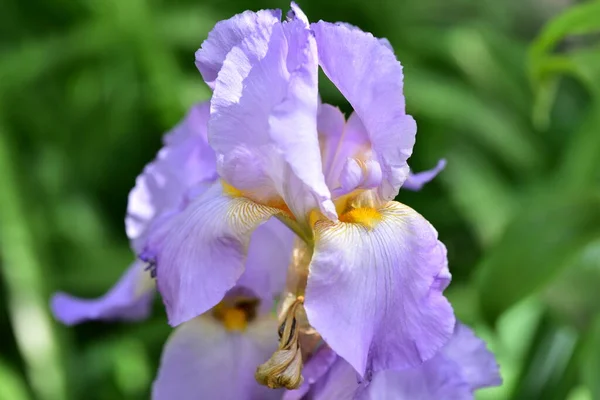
(201, 253)
(418, 180)
(184, 161)
(263, 119)
(229, 34)
(130, 299)
(374, 290)
(202, 360)
(373, 86)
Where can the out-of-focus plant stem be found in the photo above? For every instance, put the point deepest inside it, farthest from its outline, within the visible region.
(23, 274)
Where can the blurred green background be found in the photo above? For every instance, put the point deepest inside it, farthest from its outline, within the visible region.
(508, 91)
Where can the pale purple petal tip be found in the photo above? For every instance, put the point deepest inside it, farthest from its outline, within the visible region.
(130, 299)
(417, 181)
(478, 365)
(228, 34)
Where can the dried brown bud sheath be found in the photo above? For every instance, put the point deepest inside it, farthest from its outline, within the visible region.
(284, 368)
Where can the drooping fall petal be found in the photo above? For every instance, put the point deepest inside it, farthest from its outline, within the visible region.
(374, 288)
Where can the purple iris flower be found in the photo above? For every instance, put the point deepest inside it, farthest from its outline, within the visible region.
(373, 272)
(266, 190)
(463, 365)
(234, 336)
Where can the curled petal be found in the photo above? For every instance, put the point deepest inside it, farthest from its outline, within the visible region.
(373, 86)
(418, 180)
(130, 299)
(203, 360)
(183, 163)
(228, 34)
(373, 291)
(201, 253)
(263, 119)
(358, 174)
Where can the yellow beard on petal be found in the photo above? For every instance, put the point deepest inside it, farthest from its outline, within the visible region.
(366, 216)
(231, 190)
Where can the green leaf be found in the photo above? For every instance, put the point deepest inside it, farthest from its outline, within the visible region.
(580, 19)
(574, 294)
(12, 385)
(537, 244)
(582, 64)
(590, 365)
(23, 275)
(453, 104)
(485, 200)
(580, 165)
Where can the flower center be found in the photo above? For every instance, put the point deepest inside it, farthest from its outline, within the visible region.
(235, 313)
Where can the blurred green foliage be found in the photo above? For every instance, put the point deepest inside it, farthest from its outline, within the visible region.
(507, 91)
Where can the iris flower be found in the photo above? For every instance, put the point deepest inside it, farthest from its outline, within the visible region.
(265, 192)
(374, 270)
(236, 334)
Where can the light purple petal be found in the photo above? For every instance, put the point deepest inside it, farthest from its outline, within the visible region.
(461, 367)
(434, 380)
(455, 372)
(373, 292)
(263, 119)
(269, 255)
(314, 370)
(200, 253)
(373, 86)
(228, 34)
(130, 299)
(340, 142)
(185, 161)
(202, 360)
(418, 180)
(340, 383)
(478, 366)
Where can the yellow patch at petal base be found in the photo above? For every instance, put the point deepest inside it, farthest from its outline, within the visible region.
(231, 190)
(367, 216)
(235, 319)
